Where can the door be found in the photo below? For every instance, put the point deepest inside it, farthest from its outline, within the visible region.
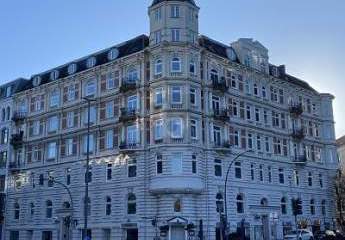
(47, 235)
(265, 226)
(132, 234)
(177, 233)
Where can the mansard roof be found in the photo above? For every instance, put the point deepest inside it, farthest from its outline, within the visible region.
(155, 2)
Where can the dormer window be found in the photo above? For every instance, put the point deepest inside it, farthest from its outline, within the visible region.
(72, 68)
(54, 75)
(91, 62)
(8, 91)
(36, 81)
(113, 54)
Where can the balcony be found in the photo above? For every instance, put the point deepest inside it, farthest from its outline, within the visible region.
(296, 109)
(128, 114)
(220, 85)
(179, 184)
(128, 86)
(300, 160)
(128, 146)
(221, 115)
(18, 117)
(298, 134)
(17, 139)
(222, 145)
(13, 166)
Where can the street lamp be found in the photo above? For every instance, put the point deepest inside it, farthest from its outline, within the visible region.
(87, 172)
(225, 187)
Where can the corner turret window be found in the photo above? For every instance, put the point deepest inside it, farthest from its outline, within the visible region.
(175, 35)
(176, 64)
(158, 67)
(158, 14)
(158, 37)
(175, 11)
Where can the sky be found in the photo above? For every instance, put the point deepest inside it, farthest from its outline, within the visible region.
(308, 36)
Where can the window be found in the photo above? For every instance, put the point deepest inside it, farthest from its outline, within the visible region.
(267, 145)
(193, 129)
(90, 88)
(176, 128)
(132, 75)
(257, 114)
(88, 176)
(159, 164)
(176, 95)
(252, 172)
(54, 75)
(192, 96)
(4, 135)
(310, 179)
(158, 67)
(176, 64)
(175, 11)
(91, 143)
(217, 136)
(220, 203)
(177, 206)
(320, 180)
(110, 81)
(281, 176)
(16, 210)
(269, 174)
(261, 173)
(218, 172)
(283, 206)
(8, 91)
(70, 119)
(176, 163)
(109, 110)
(71, 93)
(250, 141)
(214, 75)
(158, 37)
(159, 97)
(109, 171)
(91, 62)
(158, 14)
(51, 150)
(235, 109)
(194, 164)
(132, 135)
(113, 54)
(32, 210)
(192, 67)
(296, 177)
(109, 139)
(312, 207)
(70, 147)
(238, 170)
(132, 168)
(132, 103)
(239, 203)
(258, 143)
(49, 209)
(68, 176)
(93, 115)
(249, 112)
(323, 207)
(54, 98)
(256, 90)
(159, 129)
(108, 206)
(131, 204)
(72, 68)
(53, 124)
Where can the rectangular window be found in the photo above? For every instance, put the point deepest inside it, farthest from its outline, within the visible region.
(70, 119)
(249, 110)
(109, 109)
(109, 139)
(109, 171)
(250, 141)
(54, 98)
(158, 37)
(93, 115)
(68, 176)
(175, 35)
(269, 174)
(51, 150)
(132, 102)
(175, 11)
(192, 96)
(159, 97)
(261, 173)
(159, 129)
(252, 172)
(132, 168)
(194, 164)
(71, 93)
(193, 129)
(281, 176)
(258, 142)
(238, 170)
(91, 144)
(267, 145)
(158, 14)
(69, 147)
(90, 88)
(53, 124)
(176, 128)
(257, 114)
(132, 134)
(176, 95)
(110, 81)
(218, 172)
(176, 163)
(217, 136)
(159, 162)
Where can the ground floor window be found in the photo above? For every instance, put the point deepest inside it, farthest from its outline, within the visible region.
(47, 235)
(88, 235)
(14, 235)
(132, 234)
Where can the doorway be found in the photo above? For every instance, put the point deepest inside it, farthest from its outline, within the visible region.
(132, 234)
(177, 233)
(265, 227)
(47, 235)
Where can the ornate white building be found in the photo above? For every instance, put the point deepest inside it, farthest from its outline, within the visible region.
(172, 111)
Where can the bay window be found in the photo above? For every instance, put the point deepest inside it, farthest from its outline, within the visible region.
(176, 64)
(158, 67)
(176, 128)
(176, 95)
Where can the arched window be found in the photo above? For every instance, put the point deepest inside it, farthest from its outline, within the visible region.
(264, 202)
(8, 113)
(214, 75)
(220, 202)
(312, 207)
(240, 203)
(323, 207)
(131, 204)
(158, 67)
(176, 64)
(177, 205)
(132, 75)
(16, 210)
(32, 209)
(283, 206)
(108, 206)
(49, 209)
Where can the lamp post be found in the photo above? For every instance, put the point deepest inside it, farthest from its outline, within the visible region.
(225, 225)
(87, 172)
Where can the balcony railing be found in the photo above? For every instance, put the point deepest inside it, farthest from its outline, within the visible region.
(221, 114)
(296, 109)
(125, 146)
(17, 139)
(220, 85)
(128, 114)
(14, 166)
(19, 116)
(298, 133)
(300, 160)
(223, 144)
(128, 85)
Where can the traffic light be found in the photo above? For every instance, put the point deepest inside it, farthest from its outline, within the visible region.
(297, 206)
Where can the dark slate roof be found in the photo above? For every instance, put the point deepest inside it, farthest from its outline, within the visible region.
(16, 86)
(155, 2)
(126, 48)
(214, 46)
(341, 141)
(298, 82)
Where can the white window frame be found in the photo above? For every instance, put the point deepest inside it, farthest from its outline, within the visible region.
(132, 134)
(158, 91)
(52, 150)
(90, 88)
(159, 129)
(132, 102)
(194, 124)
(53, 124)
(54, 98)
(178, 123)
(158, 67)
(109, 109)
(176, 160)
(109, 139)
(176, 65)
(176, 90)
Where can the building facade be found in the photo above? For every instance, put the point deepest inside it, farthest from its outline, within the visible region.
(341, 150)
(171, 112)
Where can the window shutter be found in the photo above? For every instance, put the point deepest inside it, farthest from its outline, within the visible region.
(65, 94)
(102, 141)
(75, 118)
(32, 104)
(75, 145)
(102, 111)
(64, 120)
(103, 82)
(243, 139)
(232, 138)
(63, 148)
(76, 92)
(242, 110)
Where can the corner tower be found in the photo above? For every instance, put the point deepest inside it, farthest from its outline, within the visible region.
(173, 21)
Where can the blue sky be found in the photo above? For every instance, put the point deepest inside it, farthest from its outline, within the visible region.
(308, 36)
